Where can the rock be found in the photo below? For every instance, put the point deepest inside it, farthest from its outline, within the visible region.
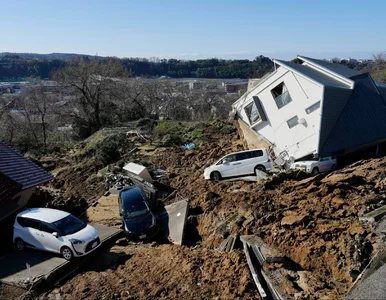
(248, 221)
(338, 202)
(356, 229)
(189, 153)
(292, 220)
(308, 282)
(121, 242)
(210, 196)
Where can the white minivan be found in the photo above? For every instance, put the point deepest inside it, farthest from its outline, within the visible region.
(55, 231)
(239, 164)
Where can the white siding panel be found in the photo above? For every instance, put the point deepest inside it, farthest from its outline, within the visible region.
(302, 139)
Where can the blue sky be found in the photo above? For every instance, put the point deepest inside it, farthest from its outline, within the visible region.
(185, 29)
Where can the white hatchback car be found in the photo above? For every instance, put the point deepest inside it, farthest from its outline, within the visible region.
(323, 164)
(55, 231)
(239, 164)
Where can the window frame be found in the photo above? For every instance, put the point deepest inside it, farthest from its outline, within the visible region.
(291, 119)
(255, 102)
(313, 106)
(50, 226)
(28, 221)
(275, 98)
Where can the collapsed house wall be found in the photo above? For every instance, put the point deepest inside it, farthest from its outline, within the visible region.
(250, 138)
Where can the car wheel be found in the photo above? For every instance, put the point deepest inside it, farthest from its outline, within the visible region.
(66, 253)
(215, 176)
(315, 171)
(20, 245)
(333, 168)
(260, 168)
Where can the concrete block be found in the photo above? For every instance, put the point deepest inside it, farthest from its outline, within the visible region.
(173, 219)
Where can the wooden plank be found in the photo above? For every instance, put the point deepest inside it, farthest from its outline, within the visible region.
(230, 242)
(233, 243)
(223, 244)
(258, 255)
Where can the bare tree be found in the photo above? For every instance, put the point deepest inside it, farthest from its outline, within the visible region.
(93, 82)
(36, 104)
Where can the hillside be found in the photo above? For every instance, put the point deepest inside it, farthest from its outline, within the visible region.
(22, 65)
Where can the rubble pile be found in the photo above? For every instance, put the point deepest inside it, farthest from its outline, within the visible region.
(165, 271)
(314, 221)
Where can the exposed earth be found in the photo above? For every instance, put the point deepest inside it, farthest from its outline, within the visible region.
(313, 221)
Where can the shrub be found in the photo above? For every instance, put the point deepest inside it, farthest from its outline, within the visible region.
(108, 150)
(166, 127)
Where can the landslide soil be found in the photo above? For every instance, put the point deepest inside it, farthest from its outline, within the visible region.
(160, 271)
(313, 221)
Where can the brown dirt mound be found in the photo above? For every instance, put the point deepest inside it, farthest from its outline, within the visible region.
(166, 271)
(313, 221)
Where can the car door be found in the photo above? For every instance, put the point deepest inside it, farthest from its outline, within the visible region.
(329, 163)
(31, 233)
(47, 240)
(230, 166)
(325, 164)
(244, 163)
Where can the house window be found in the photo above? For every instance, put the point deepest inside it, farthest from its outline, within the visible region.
(281, 95)
(254, 111)
(313, 107)
(293, 122)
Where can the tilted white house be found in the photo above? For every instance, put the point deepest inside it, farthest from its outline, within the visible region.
(313, 107)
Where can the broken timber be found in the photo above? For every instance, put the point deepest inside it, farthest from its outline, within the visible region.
(228, 244)
(260, 255)
(254, 272)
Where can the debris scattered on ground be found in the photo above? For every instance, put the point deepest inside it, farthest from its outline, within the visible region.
(313, 222)
(228, 244)
(161, 271)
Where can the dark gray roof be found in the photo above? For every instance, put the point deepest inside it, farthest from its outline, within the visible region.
(362, 120)
(382, 91)
(335, 100)
(334, 67)
(313, 74)
(19, 169)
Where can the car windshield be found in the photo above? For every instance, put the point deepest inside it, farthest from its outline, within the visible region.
(69, 225)
(135, 209)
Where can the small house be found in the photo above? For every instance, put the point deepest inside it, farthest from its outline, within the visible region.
(312, 107)
(18, 180)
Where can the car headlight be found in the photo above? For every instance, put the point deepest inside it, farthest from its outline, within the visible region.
(76, 242)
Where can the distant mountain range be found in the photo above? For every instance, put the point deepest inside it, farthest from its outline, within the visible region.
(15, 66)
(61, 56)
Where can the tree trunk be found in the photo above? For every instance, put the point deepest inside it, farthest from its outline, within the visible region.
(44, 134)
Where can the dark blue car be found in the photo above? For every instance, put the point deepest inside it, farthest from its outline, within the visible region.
(138, 220)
